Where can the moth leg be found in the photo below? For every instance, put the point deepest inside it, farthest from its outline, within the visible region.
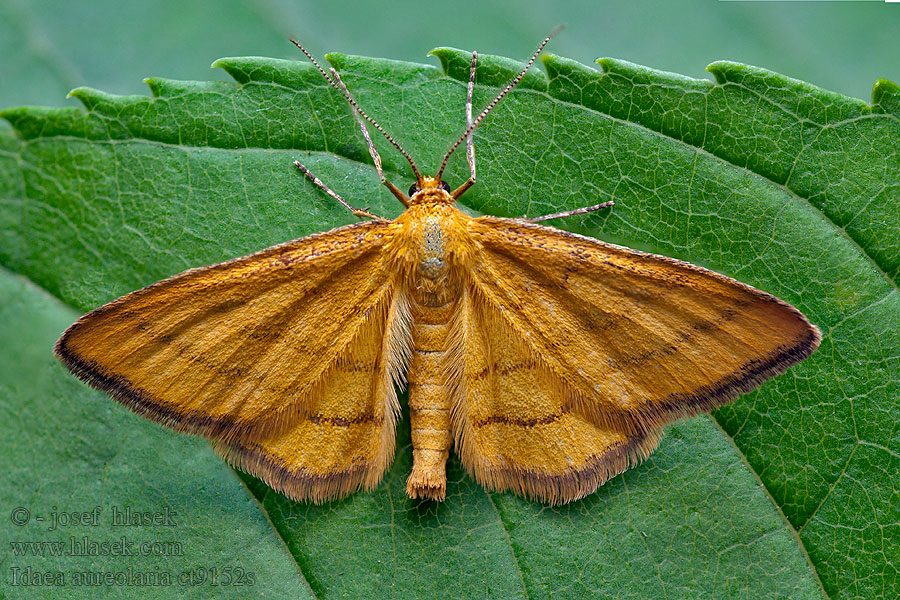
(570, 213)
(470, 143)
(357, 212)
(372, 150)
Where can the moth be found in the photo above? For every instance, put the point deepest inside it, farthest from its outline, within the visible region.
(549, 361)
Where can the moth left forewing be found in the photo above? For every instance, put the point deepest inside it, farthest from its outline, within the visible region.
(285, 358)
(347, 439)
(641, 339)
(232, 350)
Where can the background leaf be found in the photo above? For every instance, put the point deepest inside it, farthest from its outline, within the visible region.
(789, 492)
(48, 47)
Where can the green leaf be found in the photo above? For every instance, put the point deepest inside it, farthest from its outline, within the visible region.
(787, 493)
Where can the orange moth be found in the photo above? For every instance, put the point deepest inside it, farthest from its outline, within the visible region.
(549, 361)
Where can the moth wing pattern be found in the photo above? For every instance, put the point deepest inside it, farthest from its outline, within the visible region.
(345, 439)
(590, 333)
(515, 421)
(250, 350)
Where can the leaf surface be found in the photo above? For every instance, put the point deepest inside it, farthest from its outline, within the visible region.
(787, 493)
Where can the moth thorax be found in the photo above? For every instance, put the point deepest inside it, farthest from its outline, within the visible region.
(433, 285)
(432, 266)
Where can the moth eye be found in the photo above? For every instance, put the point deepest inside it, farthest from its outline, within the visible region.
(445, 187)
(413, 189)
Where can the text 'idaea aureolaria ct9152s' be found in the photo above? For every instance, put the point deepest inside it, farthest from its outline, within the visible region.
(549, 361)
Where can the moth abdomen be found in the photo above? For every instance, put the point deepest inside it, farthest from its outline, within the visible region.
(429, 401)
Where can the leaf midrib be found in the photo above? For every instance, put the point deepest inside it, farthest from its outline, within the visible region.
(508, 538)
(795, 533)
(260, 503)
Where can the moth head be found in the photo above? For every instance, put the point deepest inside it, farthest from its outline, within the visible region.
(431, 190)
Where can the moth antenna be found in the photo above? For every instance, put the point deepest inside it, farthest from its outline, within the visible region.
(353, 103)
(372, 150)
(484, 113)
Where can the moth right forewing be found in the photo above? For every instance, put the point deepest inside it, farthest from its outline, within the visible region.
(641, 338)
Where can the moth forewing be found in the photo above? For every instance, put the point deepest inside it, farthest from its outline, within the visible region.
(578, 352)
(204, 351)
